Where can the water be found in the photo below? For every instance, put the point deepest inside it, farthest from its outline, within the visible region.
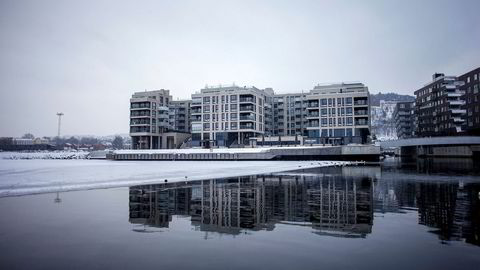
(399, 215)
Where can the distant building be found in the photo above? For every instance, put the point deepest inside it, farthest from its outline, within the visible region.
(439, 107)
(471, 90)
(404, 119)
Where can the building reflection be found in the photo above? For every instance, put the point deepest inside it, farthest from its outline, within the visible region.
(327, 202)
(447, 204)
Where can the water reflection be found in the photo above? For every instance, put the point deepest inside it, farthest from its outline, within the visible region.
(335, 201)
(331, 204)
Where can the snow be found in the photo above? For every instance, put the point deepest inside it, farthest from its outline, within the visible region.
(22, 177)
(45, 155)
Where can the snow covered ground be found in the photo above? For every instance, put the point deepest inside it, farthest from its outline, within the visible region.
(45, 155)
(21, 177)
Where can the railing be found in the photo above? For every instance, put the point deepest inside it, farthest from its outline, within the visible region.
(247, 100)
(313, 115)
(246, 126)
(361, 122)
(313, 104)
(140, 114)
(360, 102)
(246, 108)
(361, 112)
(249, 117)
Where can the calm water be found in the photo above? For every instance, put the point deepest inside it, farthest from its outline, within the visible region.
(420, 215)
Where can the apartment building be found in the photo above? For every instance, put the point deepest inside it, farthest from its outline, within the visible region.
(149, 118)
(403, 118)
(471, 88)
(179, 115)
(289, 112)
(228, 115)
(338, 113)
(439, 107)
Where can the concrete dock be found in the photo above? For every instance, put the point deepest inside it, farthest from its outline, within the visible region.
(343, 152)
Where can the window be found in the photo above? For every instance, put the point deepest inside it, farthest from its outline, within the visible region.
(233, 98)
(323, 112)
(349, 101)
(349, 110)
(206, 100)
(233, 107)
(349, 121)
(323, 102)
(233, 116)
(206, 126)
(233, 125)
(206, 117)
(324, 122)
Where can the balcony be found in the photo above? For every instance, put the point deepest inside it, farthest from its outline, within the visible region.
(361, 102)
(247, 108)
(312, 105)
(313, 114)
(246, 126)
(361, 122)
(140, 122)
(247, 117)
(196, 110)
(456, 102)
(140, 114)
(458, 111)
(247, 99)
(361, 112)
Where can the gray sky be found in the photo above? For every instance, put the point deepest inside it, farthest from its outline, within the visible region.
(86, 58)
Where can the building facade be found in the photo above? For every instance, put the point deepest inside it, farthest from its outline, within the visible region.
(439, 107)
(149, 118)
(289, 114)
(338, 113)
(227, 115)
(471, 88)
(179, 115)
(404, 119)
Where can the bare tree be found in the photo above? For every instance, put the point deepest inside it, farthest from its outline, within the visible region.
(28, 136)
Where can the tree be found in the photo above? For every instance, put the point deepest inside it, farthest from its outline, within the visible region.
(117, 142)
(28, 136)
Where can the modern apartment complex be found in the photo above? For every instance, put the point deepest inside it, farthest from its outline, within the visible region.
(149, 118)
(228, 115)
(404, 118)
(471, 88)
(338, 113)
(231, 115)
(439, 107)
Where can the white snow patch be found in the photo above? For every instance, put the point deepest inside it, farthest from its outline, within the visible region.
(22, 177)
(45, 155)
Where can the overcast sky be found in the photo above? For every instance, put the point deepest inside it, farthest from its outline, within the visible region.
(86, 58)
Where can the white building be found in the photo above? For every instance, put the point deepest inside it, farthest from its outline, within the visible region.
(338, 113)
(149, 118)
(228, 115)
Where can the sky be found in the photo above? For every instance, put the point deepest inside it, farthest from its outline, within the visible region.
(86, 58)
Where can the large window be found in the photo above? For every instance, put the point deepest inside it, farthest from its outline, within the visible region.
(349, 101)
(323, 102)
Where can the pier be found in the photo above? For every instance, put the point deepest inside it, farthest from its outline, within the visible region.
(344, 152)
